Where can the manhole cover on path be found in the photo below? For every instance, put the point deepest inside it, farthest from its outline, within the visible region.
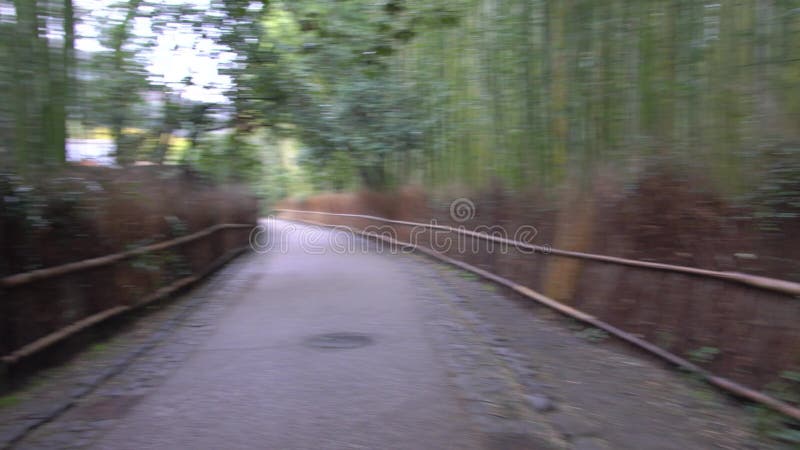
(339, 340)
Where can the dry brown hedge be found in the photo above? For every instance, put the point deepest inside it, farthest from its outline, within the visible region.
(85, 212)
(664, 217)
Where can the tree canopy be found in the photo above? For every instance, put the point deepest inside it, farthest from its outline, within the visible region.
(364, 93)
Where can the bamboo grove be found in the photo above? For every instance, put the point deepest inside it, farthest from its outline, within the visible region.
(439, 91)
(532, 90)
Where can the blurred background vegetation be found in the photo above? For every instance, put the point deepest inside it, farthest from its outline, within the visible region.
(305, 96)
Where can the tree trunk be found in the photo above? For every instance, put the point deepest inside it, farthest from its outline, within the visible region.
(119, 99)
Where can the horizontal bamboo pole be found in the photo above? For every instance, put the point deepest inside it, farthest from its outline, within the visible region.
(53, 338)
(765, 283)
(722, 383)
(88, 322)
(29, 277)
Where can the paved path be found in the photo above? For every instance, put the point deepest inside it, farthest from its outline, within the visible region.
(452, 362)
(257, 384)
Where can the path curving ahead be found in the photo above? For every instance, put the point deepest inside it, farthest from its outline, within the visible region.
(257, 382)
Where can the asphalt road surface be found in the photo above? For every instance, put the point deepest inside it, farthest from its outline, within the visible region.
(260, 382)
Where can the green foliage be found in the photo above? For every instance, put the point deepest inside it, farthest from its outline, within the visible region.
(704, 355)
(351, 111)
(665, 339)
(788, 435)
(532, 91)
(9, 401)
(778, 192)
(226, 155)
(436, 91)
(774, 425)
(468, 275)
(36, 74)
(592, 334)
